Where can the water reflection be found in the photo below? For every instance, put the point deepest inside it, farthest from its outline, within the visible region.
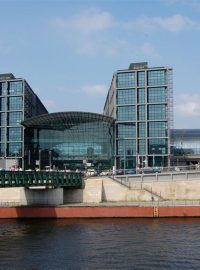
(100, 244)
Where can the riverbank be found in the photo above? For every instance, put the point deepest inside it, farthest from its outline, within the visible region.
(106, 210)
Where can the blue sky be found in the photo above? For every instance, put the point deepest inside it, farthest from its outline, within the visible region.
(68, 50)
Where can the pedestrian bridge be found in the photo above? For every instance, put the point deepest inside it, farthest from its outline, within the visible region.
(40, 179)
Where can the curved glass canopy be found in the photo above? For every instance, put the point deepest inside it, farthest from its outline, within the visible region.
(69, 140)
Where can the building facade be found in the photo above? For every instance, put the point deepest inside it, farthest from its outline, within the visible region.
(140, 99)
(17, 103)
(69, 140)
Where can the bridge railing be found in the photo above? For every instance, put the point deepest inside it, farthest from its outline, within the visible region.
(40, 178)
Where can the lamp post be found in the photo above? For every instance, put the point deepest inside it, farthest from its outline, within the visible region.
(50, 154)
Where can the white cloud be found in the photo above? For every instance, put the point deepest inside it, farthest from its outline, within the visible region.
(188, 105)
(88, 21)
(95, 90)
(94, 31)
(175, 23)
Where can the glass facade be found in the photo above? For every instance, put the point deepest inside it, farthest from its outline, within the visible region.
(185, 146)
(70, 140)
(13, 97)
(142, 110)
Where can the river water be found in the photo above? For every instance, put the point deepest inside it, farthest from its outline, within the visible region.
(100, 244)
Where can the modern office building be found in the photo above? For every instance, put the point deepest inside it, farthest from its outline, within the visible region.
(69, 140)
(17, 103)
(185, 147)
(140, 98)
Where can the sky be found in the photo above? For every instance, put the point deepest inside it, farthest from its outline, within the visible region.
(68, 50)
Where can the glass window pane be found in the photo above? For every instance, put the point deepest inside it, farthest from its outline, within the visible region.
(157, 129)
(126, 79)
(15, 103)
(14, 149)
(126, 113)
(141, 95)
(15, 88)
(2, 104)
(14, 118)
(156, 77)
(3, 88)
(157, 112)
(141, 78)
(142, 130)
(158, 146)
(14, 134)
(141, 112)
(126, 130)
(2, 119)
(125, 96)
(157, 94)
(126, 147)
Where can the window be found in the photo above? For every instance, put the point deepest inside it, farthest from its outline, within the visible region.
(3, 88)
(157, 94)
(125, 96)
(14, 149)
(141, 147)
(2, 119)
(2, 134)
(126, 113)
(142, 130)
(126, 79)
(156, 77)
(157, 112)
(14, 134)
(2, 149)
(14, 118)
(157, 129)
(126, 147)
(141, 95)
(158, 146)
(141, 78)
(15, 88)
(2, 103)
(126, 130)
(15, 103)
(141, 112)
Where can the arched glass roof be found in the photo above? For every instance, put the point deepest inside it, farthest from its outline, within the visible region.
(63, 120)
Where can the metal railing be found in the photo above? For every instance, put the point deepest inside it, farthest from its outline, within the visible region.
(164, 176)
(40, 178)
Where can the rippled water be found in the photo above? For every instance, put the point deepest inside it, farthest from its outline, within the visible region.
(100, 244)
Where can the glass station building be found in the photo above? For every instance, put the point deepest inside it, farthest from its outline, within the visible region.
(140, 99)
(18, 102)
(185, 147)
(69, 140)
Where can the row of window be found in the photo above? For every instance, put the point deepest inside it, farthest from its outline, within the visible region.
(11, 103)
(11, 118)
(153, 112)
(11, 88)
(155, 146)
(129, 79)
(13, 134)
(154, 95)
(155, 129)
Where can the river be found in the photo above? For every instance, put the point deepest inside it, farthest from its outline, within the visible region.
(35, 244)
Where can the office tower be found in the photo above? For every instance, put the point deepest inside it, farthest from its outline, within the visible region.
(17, 103)
(140, 99)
